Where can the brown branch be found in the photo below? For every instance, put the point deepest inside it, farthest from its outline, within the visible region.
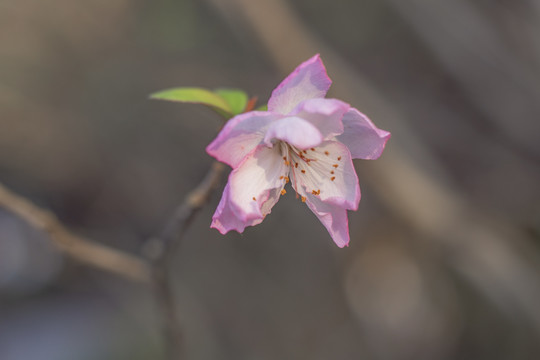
(76, 247)
(159, 250)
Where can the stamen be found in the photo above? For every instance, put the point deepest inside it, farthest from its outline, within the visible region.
(303, 199)
(339, 158)
(286, 179)
(335, 165)
(326, 153)
(300, 153)
(333, 178)
(281, 177)
(283, 191)
(332, 172)
(254, 199)
(303, 171)
(312, 149)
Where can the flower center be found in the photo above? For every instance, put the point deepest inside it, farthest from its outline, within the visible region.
(297, 162)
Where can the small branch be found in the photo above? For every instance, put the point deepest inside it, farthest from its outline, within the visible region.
(159, 250)
(77, 247)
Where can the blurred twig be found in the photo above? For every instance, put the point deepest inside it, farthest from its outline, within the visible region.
(77, 247)
(478, 59)
(159, 250)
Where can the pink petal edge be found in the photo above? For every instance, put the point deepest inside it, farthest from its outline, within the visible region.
(309, 80)
(240, 136)
(333, 218)
(362, 137)
(252, 190)
(225, 219)
(294, 131)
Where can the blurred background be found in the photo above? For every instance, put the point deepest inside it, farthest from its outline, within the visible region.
(444, 257)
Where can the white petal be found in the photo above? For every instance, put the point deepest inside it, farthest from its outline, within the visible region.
(333, 217)
(256, 184)
(225, 218)
(327, 171)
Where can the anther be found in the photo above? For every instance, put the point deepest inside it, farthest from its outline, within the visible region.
(283, 191)
(335, 165)
(312, 149)
(332, 172)
(303, 171)
(281, 177)
(339, 158)
(303, 199)
(333, 178)
(326, 153)
(254, 199)
(296, 165)
(286, 179)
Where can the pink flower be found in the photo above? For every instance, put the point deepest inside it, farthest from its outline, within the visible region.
(304, 139)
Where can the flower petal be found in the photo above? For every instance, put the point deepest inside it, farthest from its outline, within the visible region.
(362, 137)
(333, 217)
(256, 184)
(327, 171)
(240, 136)
(225, 218)
(324, 114)
(294, 131)
(309, 80)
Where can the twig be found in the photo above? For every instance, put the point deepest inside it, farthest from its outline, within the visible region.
(77, 247)
(159, 250)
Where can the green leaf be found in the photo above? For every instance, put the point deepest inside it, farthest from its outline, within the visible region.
(262, 108)
(196, 96)
(237, 99)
